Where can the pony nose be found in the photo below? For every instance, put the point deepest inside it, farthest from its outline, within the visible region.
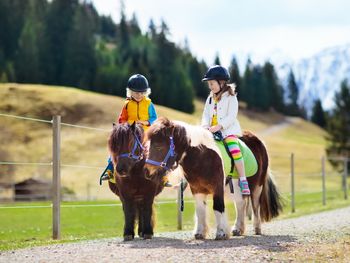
(149, 170)
(146, 173)
(121, 169)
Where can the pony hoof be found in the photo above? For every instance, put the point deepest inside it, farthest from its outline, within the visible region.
(236, 232)
(199, 236)
(258, 231)
(221, 237)
(147, 236)
(128, 237)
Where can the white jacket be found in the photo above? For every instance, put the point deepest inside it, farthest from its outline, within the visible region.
(227, 110)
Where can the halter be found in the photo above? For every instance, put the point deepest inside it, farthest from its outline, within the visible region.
(171, 153)
(132, 155)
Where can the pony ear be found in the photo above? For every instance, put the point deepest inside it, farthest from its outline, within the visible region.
(170, 131)
(133, 126)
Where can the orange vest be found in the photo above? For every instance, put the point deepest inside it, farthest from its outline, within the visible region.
(136, 110)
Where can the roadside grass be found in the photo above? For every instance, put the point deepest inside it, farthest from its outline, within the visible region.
(27, 227)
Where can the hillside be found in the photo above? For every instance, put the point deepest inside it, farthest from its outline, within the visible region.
(28, 141)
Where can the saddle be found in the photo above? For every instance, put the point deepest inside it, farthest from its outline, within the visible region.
(250, 163)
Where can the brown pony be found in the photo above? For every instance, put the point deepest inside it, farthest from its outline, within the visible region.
(265, 198)
(135, 191)
(192, 148)
(195, 151)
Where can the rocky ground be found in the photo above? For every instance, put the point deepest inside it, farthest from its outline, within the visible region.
(322, 237)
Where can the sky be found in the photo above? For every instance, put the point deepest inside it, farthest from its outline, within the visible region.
(261, 29)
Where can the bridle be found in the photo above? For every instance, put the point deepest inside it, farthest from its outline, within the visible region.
(132, 155)
(164, 163)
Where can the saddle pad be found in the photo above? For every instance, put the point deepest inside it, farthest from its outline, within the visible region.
(250, 163)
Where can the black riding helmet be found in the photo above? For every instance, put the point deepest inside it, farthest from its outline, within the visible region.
(216, 72)
(138, 83)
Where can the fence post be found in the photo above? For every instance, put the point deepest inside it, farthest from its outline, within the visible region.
(56, 180)
(345, 177)
(323, 165)
(292, 182)
(180, 205)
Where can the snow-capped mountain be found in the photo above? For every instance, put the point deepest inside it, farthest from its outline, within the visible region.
(319, 76)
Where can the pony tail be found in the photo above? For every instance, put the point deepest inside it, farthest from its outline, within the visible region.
(270, 200)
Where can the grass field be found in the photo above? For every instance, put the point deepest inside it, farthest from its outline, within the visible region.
(29, 226)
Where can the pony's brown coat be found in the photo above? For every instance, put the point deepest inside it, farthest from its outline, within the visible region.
(134, 190)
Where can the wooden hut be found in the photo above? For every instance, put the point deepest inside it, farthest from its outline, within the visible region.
(33, 189)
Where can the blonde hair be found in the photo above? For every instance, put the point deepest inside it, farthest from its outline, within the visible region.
(129, 92)
(229, 87)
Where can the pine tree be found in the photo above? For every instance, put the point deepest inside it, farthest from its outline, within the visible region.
(80, 62)
(258, 97)
(339, 128)
(339, 124)
(107, 28)
(318, 115)
(196, 72)
(27, 63)
(246, 81)
(293, 95)
(58, 26)
(235, 76)
(217, 60)
(152, 32)
(275, 90)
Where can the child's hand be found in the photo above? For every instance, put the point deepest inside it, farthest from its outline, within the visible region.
(215, 128)
(145, 123)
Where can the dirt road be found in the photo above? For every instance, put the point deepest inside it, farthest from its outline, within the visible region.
(322, 237)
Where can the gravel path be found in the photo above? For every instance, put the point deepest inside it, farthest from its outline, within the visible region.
(280, 237)
(278, 127)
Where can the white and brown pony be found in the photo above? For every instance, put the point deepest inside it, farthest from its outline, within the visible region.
(193, 148)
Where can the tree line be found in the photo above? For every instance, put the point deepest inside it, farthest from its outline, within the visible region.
(67, 43)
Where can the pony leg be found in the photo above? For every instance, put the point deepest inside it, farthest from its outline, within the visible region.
(140, 228)
(147, 226)
(201, 227)
(240, 206)
(256, 209)
(222, 229)
(129, 215)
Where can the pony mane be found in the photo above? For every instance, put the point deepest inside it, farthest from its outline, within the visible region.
(120, 136)
(185, 135)
(163, 127)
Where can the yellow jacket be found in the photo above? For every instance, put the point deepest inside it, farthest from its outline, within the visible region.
(138, 111)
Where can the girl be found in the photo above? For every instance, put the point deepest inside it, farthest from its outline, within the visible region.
(220, 114)
(137, 108)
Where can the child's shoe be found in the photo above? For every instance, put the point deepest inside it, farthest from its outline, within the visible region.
(166, 182)
(243, 184)
(107, 176)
